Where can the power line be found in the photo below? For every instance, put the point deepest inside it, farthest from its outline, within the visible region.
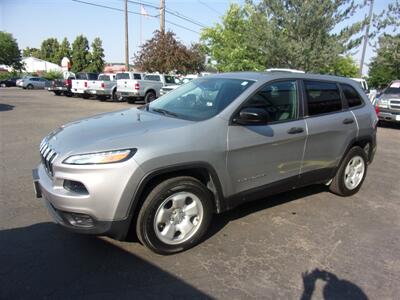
(132, 12)
(210, 8)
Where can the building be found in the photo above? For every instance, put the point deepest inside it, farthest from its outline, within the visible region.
(33, 65)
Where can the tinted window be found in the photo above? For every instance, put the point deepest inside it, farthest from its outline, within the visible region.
(278, 99)
(351, 95)
(169, 79)
(322, 97)
(137, 76)
(104, 77)
(81, 76)
(122, 76)
(152, 77)
(92, 76)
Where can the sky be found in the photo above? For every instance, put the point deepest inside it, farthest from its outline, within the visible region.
(32, 21)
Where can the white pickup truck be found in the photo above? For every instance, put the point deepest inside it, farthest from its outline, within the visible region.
(134, 86)
(80, 84)
(104, 87)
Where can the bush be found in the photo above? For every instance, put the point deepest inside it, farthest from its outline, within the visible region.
(51, 75)
(8, 75)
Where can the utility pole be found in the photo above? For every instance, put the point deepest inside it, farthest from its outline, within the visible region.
(366, 37)
(126, 37)
(162, 16)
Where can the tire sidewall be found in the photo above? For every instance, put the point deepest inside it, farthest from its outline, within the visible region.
(147, 215)
(148, 96)
(356, 151)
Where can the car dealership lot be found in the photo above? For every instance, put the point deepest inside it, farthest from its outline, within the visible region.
(306, 243)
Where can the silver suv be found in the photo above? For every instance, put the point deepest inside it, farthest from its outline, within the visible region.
(165, 168)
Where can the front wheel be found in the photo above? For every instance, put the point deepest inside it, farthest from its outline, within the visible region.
(57, 93)
(351, 173)
(29, 87)
(175, 215)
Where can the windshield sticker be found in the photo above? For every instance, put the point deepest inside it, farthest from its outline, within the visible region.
(395, 85)
(244, 83)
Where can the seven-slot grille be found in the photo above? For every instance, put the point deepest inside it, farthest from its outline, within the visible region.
(48, 156)
(395, 104)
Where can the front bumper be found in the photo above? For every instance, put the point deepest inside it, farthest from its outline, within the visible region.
(103, 210)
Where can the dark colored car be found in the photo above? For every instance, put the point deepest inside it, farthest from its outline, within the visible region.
(9, 82)
(62, 86)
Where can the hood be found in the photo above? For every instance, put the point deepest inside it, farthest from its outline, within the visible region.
(109, 131)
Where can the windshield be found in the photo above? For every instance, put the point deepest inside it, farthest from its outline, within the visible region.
(200, 99)
(392, 90)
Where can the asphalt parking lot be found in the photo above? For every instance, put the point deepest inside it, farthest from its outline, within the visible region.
(306, 244)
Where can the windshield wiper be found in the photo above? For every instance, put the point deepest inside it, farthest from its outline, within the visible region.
(164, 112)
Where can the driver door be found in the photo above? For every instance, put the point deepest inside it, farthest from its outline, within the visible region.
(268, 155)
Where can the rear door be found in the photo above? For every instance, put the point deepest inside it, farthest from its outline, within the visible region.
(330, 127)
(269, 154)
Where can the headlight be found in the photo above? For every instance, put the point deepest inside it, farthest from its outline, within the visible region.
(100, 157)
(383, 103)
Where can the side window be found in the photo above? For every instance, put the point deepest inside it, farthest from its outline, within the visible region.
(351, 95)
(279, 99)
(137, 76)
(322, 97)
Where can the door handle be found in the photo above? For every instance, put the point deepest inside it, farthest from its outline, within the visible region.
(348, 121)
(295, 130)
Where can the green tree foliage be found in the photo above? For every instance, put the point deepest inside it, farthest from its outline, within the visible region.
(63, 51)
(97, 56)
(49, 49)
(34, 52)
(80, 54)
(343, 66)
(51, 75)
(385, 66)
(164, 53)
(10, 55)
(283, 33)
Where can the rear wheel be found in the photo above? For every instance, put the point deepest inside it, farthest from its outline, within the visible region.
(150, 96)
(57, 93)
(175, 215)
(85, 96)
(351, 173)
(114, 96)
(68, 94)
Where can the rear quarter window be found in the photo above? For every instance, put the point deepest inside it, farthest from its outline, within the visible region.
(352, 97)
(137, 76)
(322, 97)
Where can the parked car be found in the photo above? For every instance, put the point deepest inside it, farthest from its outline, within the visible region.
(284, 70)
(80, 84)
(163, 78)
(62, 86)
(165, 168)
(8, 82)
(364, 85)
(104, 87)
(166, 89)
(388, 103)
(33, 82)
(133, 86)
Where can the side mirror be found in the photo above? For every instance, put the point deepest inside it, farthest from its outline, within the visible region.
(252, 116)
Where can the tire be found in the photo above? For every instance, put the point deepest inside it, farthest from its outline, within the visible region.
(355, 162)
(150, 96)
(57, 93)
(29, 87)
(131, 100)
(172, 217)
(85, 96)
(68, 94)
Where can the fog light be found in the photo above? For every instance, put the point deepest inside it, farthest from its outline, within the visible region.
(80, 220)
(75, 187)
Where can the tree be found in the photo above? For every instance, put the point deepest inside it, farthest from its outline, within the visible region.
(343, 66)
(80, 54)
(97, 56)
(283, 33)
(164, 53)
(63, 51)
(34, 52)
(49, 49)
(385, 66)
(10, 55)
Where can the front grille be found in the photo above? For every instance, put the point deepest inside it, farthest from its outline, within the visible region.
(395, 104)
(47, 156)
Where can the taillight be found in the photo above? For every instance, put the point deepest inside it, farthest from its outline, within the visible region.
(137, 86)
(85, 83)
(102, 85)
(377, 109)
